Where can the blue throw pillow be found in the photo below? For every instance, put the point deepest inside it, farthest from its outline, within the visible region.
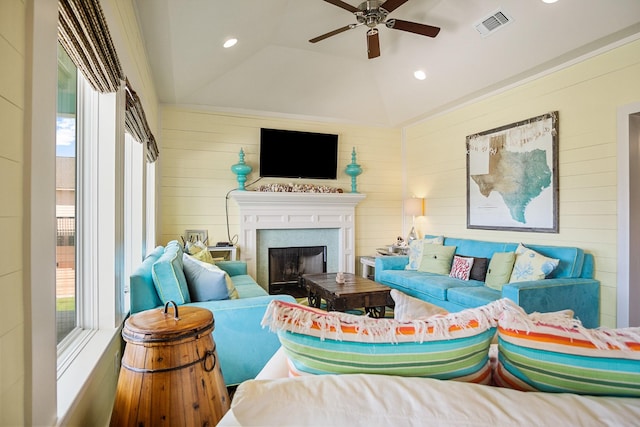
(206, 282)
(168, 276)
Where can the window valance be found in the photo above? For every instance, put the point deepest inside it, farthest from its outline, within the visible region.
(136, 124)
(84, 34)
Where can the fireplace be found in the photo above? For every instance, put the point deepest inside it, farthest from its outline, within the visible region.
(264, 211)
(287, 265)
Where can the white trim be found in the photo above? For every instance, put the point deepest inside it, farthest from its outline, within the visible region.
(39, 254)
(264, 210)
(623, 280)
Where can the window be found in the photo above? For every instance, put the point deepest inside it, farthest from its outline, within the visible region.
(66, 214)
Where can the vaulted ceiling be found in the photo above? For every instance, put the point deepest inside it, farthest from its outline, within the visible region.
(275, 69)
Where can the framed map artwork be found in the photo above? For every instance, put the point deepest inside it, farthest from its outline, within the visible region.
(512, 176)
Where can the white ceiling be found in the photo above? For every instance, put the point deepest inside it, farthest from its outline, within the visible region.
(275, 69)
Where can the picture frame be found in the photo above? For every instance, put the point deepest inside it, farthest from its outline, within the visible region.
(512, 176)
(196, 235)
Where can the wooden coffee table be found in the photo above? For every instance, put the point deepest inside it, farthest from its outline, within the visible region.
(355, 292)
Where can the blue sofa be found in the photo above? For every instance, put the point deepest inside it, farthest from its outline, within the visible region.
(243, 346)
(570, 286)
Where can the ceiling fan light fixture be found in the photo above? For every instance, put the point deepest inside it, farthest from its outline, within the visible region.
(419, 74)
(230, 43)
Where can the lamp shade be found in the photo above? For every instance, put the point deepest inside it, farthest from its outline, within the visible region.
(414, 207)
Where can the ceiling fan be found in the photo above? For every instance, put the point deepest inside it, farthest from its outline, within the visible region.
(374, 12)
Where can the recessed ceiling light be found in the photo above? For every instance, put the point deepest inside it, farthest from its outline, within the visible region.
(420, 75)
(549, 1)
(229, 43)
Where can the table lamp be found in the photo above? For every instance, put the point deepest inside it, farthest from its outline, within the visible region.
(413, 207)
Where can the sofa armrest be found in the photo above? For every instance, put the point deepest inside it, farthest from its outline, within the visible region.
(234, 268)
(397, 262)
(243, 345)
(580, 295)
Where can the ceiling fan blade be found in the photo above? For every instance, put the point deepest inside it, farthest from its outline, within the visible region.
(413, 27)
(343, 5)
(391, 5)
(331, 33)
(373, 43)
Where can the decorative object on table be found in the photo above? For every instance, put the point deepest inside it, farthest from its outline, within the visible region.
(241, 169)
(170, 360)
(353, 170)
(413, 207)
(340, 278)
(512, 176)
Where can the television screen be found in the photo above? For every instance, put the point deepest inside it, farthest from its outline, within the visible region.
(294, 154)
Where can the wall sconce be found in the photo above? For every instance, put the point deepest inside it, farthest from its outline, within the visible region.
(413, 207)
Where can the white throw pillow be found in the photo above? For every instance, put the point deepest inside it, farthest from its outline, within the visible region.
(408, 308)
(206, 282)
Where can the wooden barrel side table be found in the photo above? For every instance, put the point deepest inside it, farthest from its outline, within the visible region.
(170, 373)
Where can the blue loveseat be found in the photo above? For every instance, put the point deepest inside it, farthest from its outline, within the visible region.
(570, 286)
(243, 346)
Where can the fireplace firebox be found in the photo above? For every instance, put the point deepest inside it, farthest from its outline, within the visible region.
(287, 265)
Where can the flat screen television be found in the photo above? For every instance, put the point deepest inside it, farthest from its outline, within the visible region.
(295, 154)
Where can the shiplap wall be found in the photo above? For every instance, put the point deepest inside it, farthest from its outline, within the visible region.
(199, 147)
(587, 96)
(12, 104)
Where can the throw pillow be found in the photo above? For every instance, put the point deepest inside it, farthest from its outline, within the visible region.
(437, 259)
(553, 352)
(320, 342)
(415, 250)
(408, 308)
(204, 255)
(479, 268)
(531, 265)
(168, 275)
(231, 287)
(499, 270)
(206, 282)
(461, 268)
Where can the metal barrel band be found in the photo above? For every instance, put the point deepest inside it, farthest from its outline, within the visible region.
(208, 354)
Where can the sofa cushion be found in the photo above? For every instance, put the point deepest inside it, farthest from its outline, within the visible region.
(499, 270)
(531, 265)
(416, 247)
(424, 285)
(407, 308)
(473, 296)
(205, 281)
(168, 275)
(461, 267)
(558, 354)
(451, 346)
(143, 294)
(436, 259)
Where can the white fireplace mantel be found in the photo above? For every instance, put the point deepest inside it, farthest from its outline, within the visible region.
(272, 210)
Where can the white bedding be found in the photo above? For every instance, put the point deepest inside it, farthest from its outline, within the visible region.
(379, 400)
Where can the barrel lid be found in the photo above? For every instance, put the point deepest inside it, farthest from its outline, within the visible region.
(161, 323)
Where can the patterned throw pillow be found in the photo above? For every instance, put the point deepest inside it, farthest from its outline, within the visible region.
(408, 308)
(437, 259)
(415, 250)
(556, 353)
(479, 268)
(530, 265)
(320, 342)
(461, 268)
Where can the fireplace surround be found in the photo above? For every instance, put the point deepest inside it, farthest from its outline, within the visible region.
(282, 211)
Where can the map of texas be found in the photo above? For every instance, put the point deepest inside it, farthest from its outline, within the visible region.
(519, 177)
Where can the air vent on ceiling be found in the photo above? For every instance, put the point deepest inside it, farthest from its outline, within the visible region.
(493, 23)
